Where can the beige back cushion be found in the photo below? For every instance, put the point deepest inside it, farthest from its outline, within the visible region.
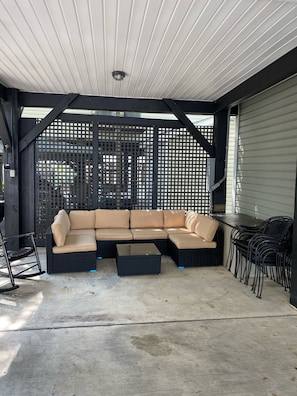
(174, 218)
(191, 220)
(82, 219)
(206, 227)
(65, 217)
(59, 230)
(146, 218)
(112, 218)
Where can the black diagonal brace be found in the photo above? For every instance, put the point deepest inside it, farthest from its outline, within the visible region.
(197, 135)
(39, 128)
(4, 130)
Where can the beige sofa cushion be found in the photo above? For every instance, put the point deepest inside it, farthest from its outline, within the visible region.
(65, 217)
(82, 219)
(173, 218)
(59, 230)
(86, 231)
(191, 241)
(191, 220)
(148, 233)
(173, 230)
(112, 218)
(206, 227)
(77, 243)
(113, 234)
(149, 218)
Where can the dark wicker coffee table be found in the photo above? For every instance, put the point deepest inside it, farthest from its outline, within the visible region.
(138, 259)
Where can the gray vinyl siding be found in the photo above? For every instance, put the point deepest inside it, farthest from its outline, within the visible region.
(267, 152)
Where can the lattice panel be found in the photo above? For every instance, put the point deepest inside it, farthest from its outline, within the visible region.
(88, 166)
(125, 168)
(63, 170)
(182, 170)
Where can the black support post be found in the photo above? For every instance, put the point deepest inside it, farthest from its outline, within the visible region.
(95, 165)
(27, 180)
(11, 172)
(220, 141)
(155, 168)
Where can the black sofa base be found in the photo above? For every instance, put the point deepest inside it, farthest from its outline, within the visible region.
(198, 257)
(72, 262)
(67, 262)
(107, 249)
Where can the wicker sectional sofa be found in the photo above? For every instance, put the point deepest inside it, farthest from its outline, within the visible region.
(76, 240)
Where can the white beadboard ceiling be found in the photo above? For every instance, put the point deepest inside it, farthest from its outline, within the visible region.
(180, 49)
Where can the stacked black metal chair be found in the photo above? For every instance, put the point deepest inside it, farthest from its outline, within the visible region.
(285, 273)
(269, 250)
(242, 233)
(21, 263)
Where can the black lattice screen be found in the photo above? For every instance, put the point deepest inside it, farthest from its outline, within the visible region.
(64, 161)
(182, 170)
(88, 166)
(126, 161)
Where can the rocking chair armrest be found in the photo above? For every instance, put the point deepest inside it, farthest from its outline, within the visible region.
(27, 234)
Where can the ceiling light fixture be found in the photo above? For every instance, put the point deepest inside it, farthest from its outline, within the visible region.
(118, 75)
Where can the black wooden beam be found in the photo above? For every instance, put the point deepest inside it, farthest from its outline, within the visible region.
(197, 135)
(4, 131)
(145, 122)
(38, 128)
(115, 104)
(282, 68)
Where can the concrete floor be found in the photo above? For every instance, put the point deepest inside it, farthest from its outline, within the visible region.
(184, 332)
